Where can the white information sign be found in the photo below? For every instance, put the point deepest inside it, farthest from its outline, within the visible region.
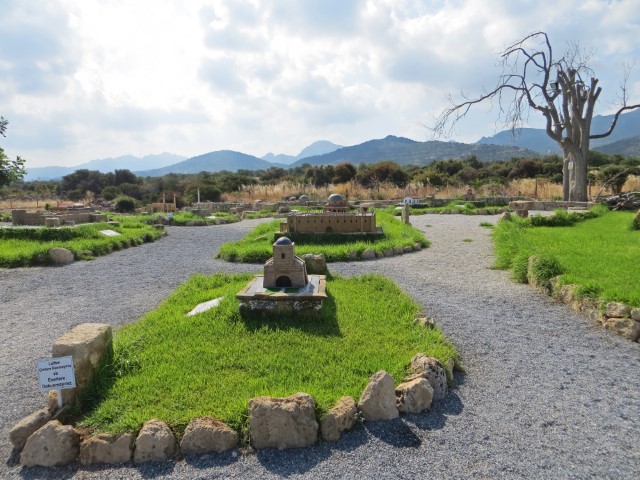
(56, 373)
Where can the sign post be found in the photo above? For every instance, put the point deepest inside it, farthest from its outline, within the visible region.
(56, 374)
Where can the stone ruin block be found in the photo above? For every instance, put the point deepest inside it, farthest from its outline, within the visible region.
(283, 422)
(343, 416)
(207, 434)
(52, 445)
(155, 443)
(52, 222)
(90, 345)
(378, 401)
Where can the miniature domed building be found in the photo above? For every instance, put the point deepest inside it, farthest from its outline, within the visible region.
(285, 268)
(336, 204)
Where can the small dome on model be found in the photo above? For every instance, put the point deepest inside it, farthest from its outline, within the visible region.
(335, 199)
(283, 241)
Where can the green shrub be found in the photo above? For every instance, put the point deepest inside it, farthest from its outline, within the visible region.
(110, 192)
(635, 224)
(125, 204)
(541, 268)
(520, 267)
(563, 218)
(46, 234)
(589, 290)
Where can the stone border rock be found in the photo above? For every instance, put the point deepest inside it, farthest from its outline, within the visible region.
(281, 423)
(617, 317)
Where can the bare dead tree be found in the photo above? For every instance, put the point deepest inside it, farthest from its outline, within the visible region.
(532, 79)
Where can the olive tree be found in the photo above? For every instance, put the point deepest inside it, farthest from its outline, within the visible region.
(10, 170)
(563, 90)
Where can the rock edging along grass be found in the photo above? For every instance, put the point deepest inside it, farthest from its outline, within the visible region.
(22, 247)
(585, 259)
(381, 399)
(397, 239)
(282, 423)
(616, 317)
(450, 210)
(544, 272)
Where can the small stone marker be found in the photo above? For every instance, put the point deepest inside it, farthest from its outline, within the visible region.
(204, 306)
(110, 233)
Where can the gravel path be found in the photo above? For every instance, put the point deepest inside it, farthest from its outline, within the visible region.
(547, 393)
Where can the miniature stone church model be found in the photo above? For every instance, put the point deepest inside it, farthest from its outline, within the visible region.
(285, 268)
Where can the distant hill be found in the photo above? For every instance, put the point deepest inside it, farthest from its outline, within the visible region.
(629, 147)
(316, 148)
(279, 158)
(405, 151)
(212, 162)
(536, 138)
(129, 162)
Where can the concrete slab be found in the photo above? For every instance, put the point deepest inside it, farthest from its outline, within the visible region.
(204, 306)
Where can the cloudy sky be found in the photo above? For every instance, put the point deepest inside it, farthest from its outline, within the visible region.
(87, 79)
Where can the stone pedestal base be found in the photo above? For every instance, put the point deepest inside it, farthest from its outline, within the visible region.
(254, 298)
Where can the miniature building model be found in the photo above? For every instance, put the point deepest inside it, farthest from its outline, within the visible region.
(334, 219)
(285, 269)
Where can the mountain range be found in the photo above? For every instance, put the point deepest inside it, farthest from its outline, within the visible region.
(536, 139)
(528, 142)
(104, 165)
(316, 148)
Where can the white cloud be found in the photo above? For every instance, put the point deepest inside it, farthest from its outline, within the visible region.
(87, 79)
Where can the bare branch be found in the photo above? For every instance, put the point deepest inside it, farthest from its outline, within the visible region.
(615, 121)
(448, 119)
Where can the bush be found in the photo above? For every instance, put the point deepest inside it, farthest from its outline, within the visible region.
(635, 224)
(562, 218)
(520, 267)
(110, 192)
(541, 268)
(125, 204)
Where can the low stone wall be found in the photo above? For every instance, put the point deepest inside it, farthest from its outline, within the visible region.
(478, 211)
(22, 217)
(480, 202)
(522, 207)
(288, 422)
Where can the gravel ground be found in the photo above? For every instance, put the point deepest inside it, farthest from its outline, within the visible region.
(547, 393)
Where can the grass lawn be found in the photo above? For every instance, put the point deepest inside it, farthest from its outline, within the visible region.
(460, 206)
(21, 247)
(271, 213)
(600, 255)
(181, 219)
(173, 367)
(256, 247)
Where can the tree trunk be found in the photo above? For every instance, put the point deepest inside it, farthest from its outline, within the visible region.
(574, 185)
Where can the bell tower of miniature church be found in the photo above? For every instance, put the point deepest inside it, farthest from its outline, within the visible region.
(285, 269)
(283, 253)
